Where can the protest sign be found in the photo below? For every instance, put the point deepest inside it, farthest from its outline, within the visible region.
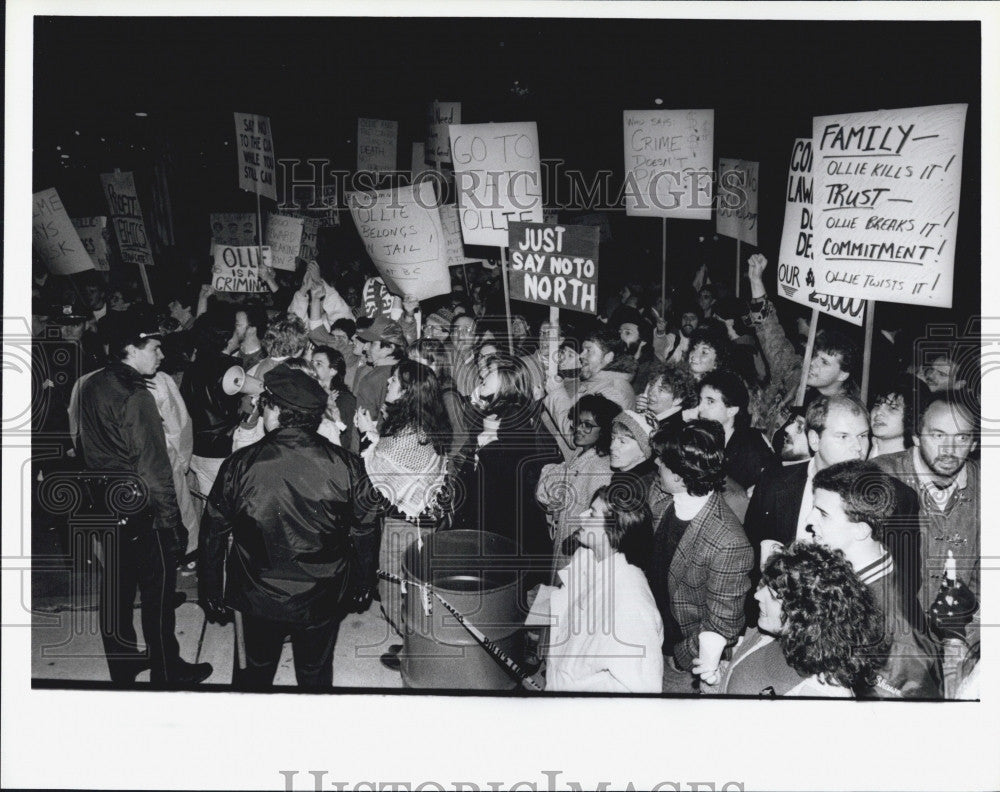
(498, 178)
(53, 237)
(401, 230)
(309, 246)
(91, 233)
(417, 164)
(440, 115)
(377, 300)
(255, 154)
(798, 272)
(554, 265)
(233, 228)
(377, 145)
(550, 215)
(451, 225)
(126, 217)
(284, 237)
(887, 187)
(237, 268)
(736, 215)
(668, 163)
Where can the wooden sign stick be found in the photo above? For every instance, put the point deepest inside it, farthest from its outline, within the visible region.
(506, 299)
(867, 364)
(800, 398)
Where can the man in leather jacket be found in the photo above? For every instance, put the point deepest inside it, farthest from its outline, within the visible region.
(122, 439)
(302, 516)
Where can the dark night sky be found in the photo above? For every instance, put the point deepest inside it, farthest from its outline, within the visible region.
(315, 76)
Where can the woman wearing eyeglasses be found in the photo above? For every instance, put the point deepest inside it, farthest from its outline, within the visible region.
(565, 489)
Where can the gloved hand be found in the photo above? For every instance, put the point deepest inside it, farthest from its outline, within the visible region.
(362, 598)
(216, 611)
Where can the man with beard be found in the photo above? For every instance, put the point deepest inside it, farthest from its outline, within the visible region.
(598, 374)
(791, 439)
(947, 482)
(636, 335)
(672, 348)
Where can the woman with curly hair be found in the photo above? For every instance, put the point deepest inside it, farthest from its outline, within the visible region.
(565, 488)
(407, 464)
(819, 632)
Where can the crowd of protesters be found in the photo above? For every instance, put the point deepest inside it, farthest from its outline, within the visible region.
(653, 466)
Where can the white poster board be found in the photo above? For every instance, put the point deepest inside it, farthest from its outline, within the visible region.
(284, 236)
(233, 228)
(668, 163)
(497, 178)
(377, 145)
(237, 268)
(887, 187)
(451, 225)
(440, 115)
(255, 154)
(91, 232)
(126, 217)
(798, 271)
(53, 236)
(401, 230)
(736, 215)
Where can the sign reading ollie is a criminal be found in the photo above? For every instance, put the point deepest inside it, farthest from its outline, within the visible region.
(886, 202)
(554, 265)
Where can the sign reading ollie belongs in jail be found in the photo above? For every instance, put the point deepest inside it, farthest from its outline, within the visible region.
(554, 265)
(887, 188)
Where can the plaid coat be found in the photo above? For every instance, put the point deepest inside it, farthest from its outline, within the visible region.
(709, 578)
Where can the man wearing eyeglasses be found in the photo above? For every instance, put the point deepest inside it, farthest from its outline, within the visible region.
(946, 480)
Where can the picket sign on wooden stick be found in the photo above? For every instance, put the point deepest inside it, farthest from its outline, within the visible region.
(867, 360)
(506, 299)
(142, 267)
(663, 279)
(737, 268)
(800, 397)
(553, 340)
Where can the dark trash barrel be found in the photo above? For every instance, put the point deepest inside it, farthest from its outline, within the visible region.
(477, 574)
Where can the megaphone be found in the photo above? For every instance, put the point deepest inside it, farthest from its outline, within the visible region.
(236, 380)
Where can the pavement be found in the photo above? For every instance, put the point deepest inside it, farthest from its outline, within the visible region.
(66, 641)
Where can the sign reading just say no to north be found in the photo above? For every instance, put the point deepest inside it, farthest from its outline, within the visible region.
(887, 187)
(554, 265)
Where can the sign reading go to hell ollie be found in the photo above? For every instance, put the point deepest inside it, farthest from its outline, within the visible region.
(401, 230)
(554, 265)
(126, 216)
(736, 215)
(497, 178)
(236, 269)
(255, 152)
(799, 275)
(53, 236)
(668, 163)
(886, 196)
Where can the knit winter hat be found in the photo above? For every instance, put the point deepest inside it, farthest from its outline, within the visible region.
(639, 425)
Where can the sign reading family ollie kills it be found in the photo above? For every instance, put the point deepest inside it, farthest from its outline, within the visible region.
(554, 265)
(887, 188)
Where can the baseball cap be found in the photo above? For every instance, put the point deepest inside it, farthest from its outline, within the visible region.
(385, 331)
(295, 388)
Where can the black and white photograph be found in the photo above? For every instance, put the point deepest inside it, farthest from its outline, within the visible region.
(499, 396)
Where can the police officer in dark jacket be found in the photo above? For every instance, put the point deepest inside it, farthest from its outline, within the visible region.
(302, 516)
(121, 436)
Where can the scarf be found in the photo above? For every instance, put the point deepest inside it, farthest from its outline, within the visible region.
(408, 473)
